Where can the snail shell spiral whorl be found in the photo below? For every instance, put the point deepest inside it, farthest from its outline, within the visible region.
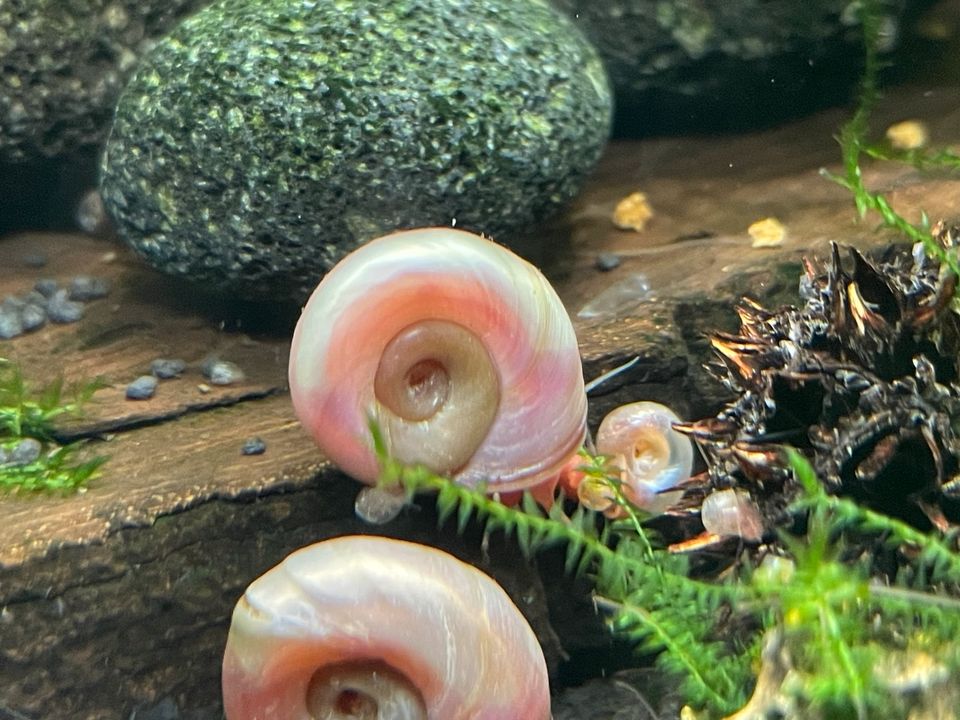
(651, 455)
(380, 629)
(460, 350)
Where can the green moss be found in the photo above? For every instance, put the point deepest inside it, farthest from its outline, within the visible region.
(24, 414)
(814, 632)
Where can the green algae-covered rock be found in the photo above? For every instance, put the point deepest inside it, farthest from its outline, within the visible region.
(264, 139)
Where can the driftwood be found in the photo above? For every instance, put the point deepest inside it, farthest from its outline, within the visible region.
(114, 602)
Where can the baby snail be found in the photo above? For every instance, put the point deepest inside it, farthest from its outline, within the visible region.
(650, 457)
(731, 513)
(370, 628)
(458, 349)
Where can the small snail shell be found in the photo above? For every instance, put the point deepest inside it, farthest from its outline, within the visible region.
(460, 350)
(652, 456)
(731, 512)
(370, 627)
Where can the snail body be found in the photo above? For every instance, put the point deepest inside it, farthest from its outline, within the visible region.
(651, 456)
(365, 627)
(458, 349)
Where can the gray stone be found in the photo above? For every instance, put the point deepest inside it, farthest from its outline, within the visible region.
(221, 372)
(35, 297)
(25, 452)
(143, 388)
(64, 64)
(88, 287)
(61, 309)
(680, 65)
(11, 323)
(253, 446)
(33, 317)
(46, 287)
(34, 260)
(264, 139)
(607, 261)
(166, 709)
(166, 368)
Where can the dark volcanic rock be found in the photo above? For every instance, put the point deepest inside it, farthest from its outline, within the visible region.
(64, 64)
(263, 140)
(727, 64)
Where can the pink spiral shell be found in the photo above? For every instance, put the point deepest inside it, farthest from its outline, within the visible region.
(439, 274)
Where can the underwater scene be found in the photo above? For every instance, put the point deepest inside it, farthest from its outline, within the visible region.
(479, 359)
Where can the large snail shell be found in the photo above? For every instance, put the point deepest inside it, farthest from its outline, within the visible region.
(370, 627)
(460, 350)
(652, 456)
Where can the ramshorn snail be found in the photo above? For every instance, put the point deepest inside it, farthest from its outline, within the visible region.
(652, 457)
(458, 349)
(370, 628)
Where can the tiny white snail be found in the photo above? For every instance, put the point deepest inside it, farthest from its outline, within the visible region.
(458, 349)
(731, 513)
(652, 457)
(371, 628)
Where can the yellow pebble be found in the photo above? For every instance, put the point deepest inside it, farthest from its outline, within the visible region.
(767, 233)
(633, 212)
(907, 135)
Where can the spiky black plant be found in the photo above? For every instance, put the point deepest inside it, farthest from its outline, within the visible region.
(862, 379)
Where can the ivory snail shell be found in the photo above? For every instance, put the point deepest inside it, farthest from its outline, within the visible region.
(370, 628)
(652, 457)
(460, 350)
(732, 513)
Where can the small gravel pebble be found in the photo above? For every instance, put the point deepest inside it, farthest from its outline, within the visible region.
(46, 287)
(166, 368)
(25, 452)
(13, 303)
(34, 260)
(253, 446)
(33, 316)
(35, 298)
(166, 709)
(203, 388)
(221, 372)
(88, 287)
(11, 324)
(142, 388)
(607, 261)
(90, 214)
(60, 309)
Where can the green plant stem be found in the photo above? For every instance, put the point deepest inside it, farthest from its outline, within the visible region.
(667, 640)
(853, 143)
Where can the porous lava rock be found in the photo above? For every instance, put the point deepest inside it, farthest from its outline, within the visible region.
(729, 64)
(264, 139)
(64, 63)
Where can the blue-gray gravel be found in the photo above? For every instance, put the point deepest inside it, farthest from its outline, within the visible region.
(88, 287)
(24, 452)
(254, 446)
(33, 317)
(61, 309)
(221, 372)
(11, 324)
(46, 287)
(607, 261)
(166, 368)
(143, 388)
